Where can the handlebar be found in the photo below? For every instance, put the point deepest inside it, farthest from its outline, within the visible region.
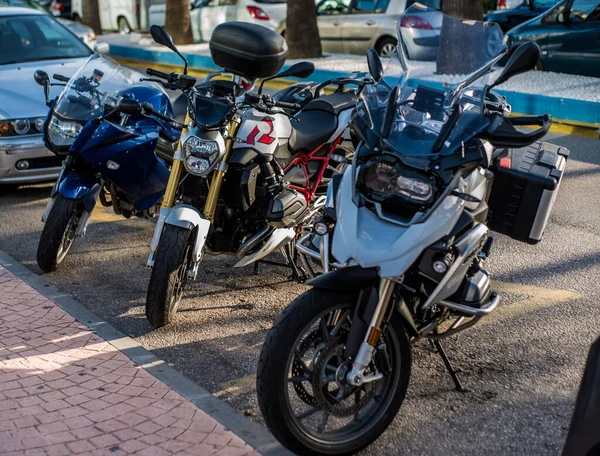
(158, 74)
(266, 101)
(60, 77)
(174, 80)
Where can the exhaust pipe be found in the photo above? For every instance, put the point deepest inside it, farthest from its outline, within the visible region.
(253, 241)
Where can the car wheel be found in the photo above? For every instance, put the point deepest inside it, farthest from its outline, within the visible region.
(124, 28)
(386, 47)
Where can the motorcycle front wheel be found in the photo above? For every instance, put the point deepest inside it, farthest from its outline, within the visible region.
(169, 275)
(302, 394)
(58, 234)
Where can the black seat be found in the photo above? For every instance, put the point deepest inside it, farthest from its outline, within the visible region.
(318, 120)
(333, 103)
(312, 129)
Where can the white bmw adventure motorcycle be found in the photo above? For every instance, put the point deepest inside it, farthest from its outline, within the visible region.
(404, 235)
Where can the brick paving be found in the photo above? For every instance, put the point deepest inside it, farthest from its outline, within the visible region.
(66, 391)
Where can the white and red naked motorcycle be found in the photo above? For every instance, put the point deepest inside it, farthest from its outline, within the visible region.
(251, 169)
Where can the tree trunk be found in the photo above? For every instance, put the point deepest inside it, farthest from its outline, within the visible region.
(91, 15)
(302, 34)
(178, 22)
(464, 9)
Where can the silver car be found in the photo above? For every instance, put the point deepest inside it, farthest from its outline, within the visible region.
(354, 26)
(30, 40)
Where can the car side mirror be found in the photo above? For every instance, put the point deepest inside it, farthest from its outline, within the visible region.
(161, 36)
(523, 59)
(102, 48)
(42, 78)
(374, 63)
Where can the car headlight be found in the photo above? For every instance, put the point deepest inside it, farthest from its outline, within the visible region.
(200, 155)
(63, 132)
(21, 127)
(386, 179)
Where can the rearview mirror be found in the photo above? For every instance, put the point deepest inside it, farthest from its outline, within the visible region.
(42, 78)
(299, 70)
(102, 48)
(523, 59)
(375, 66)
(129, 106)
(161, 36)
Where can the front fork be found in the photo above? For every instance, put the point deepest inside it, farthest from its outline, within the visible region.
(364, 356)
(174, 179)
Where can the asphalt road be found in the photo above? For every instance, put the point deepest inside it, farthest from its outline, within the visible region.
(523, 364)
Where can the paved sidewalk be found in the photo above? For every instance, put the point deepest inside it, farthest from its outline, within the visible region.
(64, 390)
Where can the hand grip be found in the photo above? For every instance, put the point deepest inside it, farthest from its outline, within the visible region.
(60, 78)
(158, 74)
(284, 105)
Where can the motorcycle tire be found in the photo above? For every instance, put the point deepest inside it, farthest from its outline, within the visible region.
(58, 234)
(276, 359)
(169, 275)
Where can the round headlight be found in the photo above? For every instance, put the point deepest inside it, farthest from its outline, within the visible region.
(21, 126)
(197, 165)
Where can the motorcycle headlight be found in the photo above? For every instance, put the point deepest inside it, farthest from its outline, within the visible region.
(63, 132)
(383, 177)
(200, 155)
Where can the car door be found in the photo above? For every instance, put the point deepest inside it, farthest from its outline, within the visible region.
(362, 24)
(331, 14)
(573, 44)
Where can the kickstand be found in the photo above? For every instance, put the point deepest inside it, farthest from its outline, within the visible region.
(289, 258)
(256, 268)
(453, 373)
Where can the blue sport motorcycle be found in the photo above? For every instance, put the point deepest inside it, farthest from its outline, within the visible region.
(118, 158)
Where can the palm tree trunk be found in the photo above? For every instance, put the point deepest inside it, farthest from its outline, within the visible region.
(91, 15)
(178, 22)
(302, 34)
(464, 9)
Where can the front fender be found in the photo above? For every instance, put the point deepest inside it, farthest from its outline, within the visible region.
(77, 186)
(357, 278)
(188, 217)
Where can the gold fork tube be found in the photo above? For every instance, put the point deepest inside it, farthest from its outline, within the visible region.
(219, 173)
(175, 174)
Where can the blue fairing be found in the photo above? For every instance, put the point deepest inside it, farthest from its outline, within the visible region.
(141, 176)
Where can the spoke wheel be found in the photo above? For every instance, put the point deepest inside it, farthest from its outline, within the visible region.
(386, 48)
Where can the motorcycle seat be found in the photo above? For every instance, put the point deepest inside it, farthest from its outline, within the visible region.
(319, 120)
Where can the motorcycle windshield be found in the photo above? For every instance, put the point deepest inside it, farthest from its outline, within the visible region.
(440, 66)
(96, 84)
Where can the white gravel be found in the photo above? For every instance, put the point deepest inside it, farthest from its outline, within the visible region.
(535, 82)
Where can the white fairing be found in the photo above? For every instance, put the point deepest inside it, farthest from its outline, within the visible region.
(263, 132)
(342, 122)
(362, 238)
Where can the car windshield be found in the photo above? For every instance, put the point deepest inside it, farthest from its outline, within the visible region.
(422, 94)
(96, 84)
(37, 37)
(23, 4)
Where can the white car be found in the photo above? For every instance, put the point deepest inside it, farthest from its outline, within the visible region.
(31, 40)
(207, 14)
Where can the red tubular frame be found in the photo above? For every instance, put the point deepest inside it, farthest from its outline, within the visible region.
(304, 158)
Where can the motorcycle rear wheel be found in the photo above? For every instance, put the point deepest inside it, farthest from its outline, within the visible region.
(169, 275)
(58, 234)
(297, 355)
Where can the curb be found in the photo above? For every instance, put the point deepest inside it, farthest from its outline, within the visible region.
(252, 433)
(570, 116)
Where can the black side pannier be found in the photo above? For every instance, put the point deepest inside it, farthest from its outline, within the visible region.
(526, 182)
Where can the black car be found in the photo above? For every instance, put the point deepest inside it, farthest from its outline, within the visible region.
(512, 17)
